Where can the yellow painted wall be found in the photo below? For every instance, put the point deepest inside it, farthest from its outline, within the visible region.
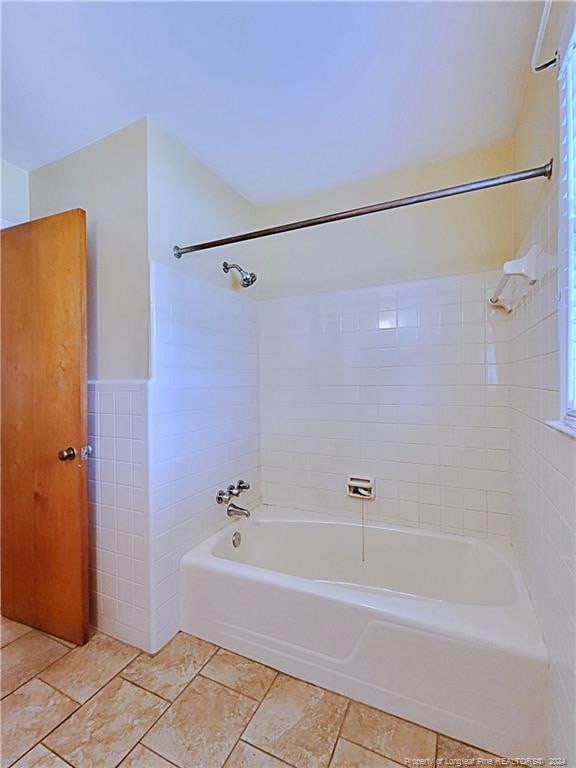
(14, 200)
(108, 179)
(536, 138)
(463, 234)
(188, 203)
(143, 193)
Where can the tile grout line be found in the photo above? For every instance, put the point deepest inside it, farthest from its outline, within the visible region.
(260, 749)
(170, 704)
(372, 752)
(41, 671)
(465, 743)
(254, 746)
(10, 642)
(116, 674)
(216, 682)
(53, 753)
(240, 738)
(144, 746)
(90, 699)
(79, 707)
(196, 674)
(142, 688)
(78, 704)
(380, 754)
(56, 726)
(67, 762)
(234, 690)
(40, 744)
(29, 680)
(348, 704)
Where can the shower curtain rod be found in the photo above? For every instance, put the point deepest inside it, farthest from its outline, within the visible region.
(401, 202)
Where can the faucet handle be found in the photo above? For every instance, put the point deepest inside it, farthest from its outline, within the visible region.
(242, 485)
(222, 497)
(234, 490)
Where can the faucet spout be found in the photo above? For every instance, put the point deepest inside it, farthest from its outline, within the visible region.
(233, 510)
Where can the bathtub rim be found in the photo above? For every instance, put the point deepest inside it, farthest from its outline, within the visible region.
(461, 621)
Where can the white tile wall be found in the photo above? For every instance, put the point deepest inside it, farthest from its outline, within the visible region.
(544, 479)
(407, 383)
(203, 421)
(118, 495)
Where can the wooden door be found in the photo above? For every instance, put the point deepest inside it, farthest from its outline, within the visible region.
(44, 536)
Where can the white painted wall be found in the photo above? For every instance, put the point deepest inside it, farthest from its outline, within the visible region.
(15, 196)
(454, 236)
(109, 180)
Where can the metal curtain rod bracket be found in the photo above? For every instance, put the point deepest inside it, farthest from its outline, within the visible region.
(547, 64)
(401, 202)
(540, 67)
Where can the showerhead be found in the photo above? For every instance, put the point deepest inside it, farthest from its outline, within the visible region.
(246, 278)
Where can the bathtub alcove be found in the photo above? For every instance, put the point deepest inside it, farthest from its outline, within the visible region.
(436, 628)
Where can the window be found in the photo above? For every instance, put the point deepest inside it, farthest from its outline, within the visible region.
(567, 275)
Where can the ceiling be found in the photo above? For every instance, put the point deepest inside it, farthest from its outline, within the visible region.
(279, 98)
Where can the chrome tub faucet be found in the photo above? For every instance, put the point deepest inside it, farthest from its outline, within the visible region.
(233, 510)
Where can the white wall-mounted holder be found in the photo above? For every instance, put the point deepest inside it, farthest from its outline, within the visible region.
(524, 267)
(360, 487)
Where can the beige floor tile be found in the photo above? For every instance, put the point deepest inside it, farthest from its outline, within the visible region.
(246, 756)
(202, 726)
(102, 732)
(67, 643)
(298, 723)
(26, 657)
(242, 674)
(89, 667)
(11, 630)
(141, 757)
(348, 755)
(40, 757)
(170, 670)
(456, 750)
(28, 715)
(390, 736)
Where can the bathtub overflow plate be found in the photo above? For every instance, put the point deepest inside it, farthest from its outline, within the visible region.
(236, 539)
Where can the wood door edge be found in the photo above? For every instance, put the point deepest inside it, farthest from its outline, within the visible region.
(71, 212)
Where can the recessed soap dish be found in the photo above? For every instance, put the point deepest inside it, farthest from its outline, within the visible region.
(360, 487)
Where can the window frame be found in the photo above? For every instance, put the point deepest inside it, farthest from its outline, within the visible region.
(566, 234)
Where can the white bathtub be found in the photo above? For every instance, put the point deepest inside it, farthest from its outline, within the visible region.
(435, 628)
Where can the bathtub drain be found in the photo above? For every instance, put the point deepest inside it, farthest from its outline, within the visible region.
(236, 539)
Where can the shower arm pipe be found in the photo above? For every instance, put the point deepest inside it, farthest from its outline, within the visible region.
(401, 202)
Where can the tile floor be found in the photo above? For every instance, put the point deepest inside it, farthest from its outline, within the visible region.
(191, 705)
